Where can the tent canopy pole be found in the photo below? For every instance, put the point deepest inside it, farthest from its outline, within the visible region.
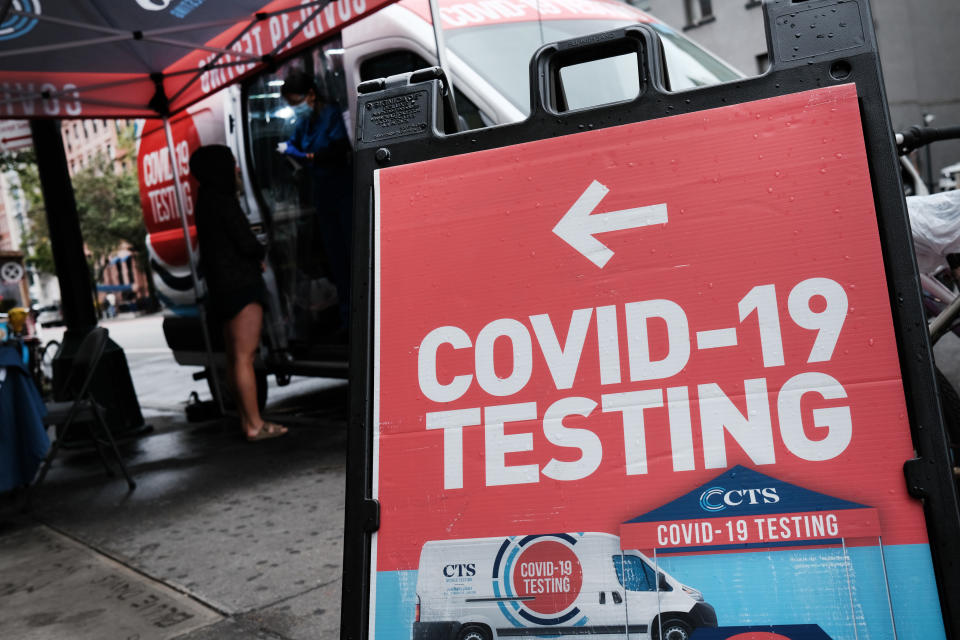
(185, 224)
(181, 208)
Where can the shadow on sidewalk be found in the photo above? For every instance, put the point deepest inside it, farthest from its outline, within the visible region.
(252, 529)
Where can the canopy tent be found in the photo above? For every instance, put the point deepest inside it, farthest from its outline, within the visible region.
(148, 58)
(139, 59)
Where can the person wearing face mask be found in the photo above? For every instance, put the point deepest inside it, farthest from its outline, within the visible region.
(231, 259)
(319, 141)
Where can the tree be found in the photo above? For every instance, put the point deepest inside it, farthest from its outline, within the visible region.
(108, 204)
(108, 207)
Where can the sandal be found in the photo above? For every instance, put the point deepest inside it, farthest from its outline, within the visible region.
(267, 430)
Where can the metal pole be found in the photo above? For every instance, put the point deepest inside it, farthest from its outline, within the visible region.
(944, 319)
(182, 210)
(66, 239)
(928, 118)
(441, 45)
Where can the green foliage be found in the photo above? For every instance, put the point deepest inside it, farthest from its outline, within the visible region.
(108, 206)
(11, 160)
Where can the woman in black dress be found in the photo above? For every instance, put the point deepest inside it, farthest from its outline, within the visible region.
(231, 260)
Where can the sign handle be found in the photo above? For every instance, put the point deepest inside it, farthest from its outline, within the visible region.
(546, 86)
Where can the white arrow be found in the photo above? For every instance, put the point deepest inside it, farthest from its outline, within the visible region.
(578, 228)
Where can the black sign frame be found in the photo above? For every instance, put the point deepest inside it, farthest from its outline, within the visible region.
(417, 126)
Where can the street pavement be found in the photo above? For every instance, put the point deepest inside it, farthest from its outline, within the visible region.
(221, 538)
(160, 382)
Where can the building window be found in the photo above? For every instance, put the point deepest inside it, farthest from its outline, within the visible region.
(109, 151)
(94, 126)
(698, 12)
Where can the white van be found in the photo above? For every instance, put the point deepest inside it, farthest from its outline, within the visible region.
(490, 44)
(550, 586)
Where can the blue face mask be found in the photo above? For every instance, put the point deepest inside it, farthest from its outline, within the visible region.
(301, 110)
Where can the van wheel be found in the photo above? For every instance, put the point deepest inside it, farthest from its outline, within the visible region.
(674, 629)
(473, 632)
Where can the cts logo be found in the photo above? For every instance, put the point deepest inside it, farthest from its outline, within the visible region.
(18, 24)
(718, 498)
(460, 570)
(154, 5)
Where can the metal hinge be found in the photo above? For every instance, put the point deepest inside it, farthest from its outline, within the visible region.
(916, 471)
(371, 515)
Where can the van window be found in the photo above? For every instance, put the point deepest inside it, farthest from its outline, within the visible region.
(688, 66)
(390, 64)
(634, 574)
(403, 61)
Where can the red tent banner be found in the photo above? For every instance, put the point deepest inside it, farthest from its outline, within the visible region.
(148, 58)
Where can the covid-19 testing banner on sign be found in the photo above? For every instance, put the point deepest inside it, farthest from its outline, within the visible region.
(643, 382)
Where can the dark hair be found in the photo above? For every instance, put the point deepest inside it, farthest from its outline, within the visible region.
(298, 82)
(214, 167)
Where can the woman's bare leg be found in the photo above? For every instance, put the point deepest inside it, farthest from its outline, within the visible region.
(242, 334)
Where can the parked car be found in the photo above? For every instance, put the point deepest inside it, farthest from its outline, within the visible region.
(50, 316)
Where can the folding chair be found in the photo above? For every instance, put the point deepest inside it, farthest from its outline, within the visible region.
(83, 407)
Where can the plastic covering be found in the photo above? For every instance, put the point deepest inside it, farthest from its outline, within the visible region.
(935, 223)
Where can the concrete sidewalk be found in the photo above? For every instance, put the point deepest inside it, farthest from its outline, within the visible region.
(221, 539)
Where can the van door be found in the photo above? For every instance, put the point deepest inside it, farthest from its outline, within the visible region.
(639, 582)
(307, 235)
(602, 604)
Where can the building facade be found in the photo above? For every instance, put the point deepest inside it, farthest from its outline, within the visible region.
(37, 288)
(119, 275)
(13, 220)
(83, 140)
(122, 281)
(13, 211)
(918, 52)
